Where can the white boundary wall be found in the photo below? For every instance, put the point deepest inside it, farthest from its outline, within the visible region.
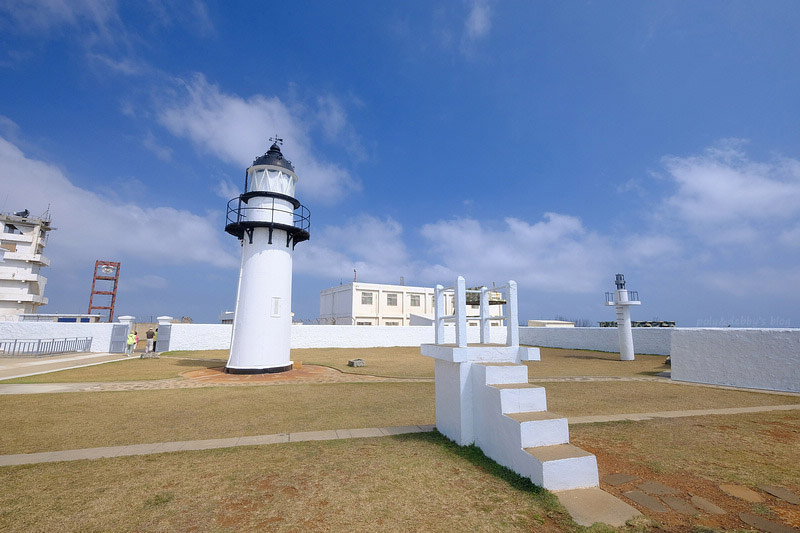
(99, 332)
(645, 340)
(218, 336)
(751, 358)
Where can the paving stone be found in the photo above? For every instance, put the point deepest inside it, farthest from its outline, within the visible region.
(654, 487)
(741, 492)
(682, 506)
(765, 525)
(591, 505)
(644, 500)
(707, 506)
(782, 493)
(618, 479)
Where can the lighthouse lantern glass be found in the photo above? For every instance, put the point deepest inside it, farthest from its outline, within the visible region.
(271, 180)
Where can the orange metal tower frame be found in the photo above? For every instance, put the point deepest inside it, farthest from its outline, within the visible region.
(105, 271)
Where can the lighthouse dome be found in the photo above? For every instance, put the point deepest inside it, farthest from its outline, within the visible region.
(275, 158)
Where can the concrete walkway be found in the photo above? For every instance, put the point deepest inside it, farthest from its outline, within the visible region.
(20, 367)
(162, 447)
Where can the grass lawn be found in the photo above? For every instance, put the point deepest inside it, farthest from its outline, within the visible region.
(46, 422)
(617, 397)
(417, 482)
(402, 362)
(750, 448)
(557, 362)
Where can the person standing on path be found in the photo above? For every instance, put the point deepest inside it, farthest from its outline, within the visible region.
(155, 340)
(150, 335)
(131, 342)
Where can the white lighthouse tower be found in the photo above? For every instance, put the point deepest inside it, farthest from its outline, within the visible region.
(269, 222)
(622, 299)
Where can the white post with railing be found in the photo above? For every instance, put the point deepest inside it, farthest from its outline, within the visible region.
(484, 315)
(512, 315)
(460, 311)
(438, 314)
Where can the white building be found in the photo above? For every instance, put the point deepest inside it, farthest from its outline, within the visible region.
(376, 304)
(23, 239)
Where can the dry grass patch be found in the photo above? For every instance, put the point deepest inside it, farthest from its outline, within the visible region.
(415, 482)
(752, 449)
(213, 355)
(46, 422)
(405, 362)
(557, 362)
(133, 369)
(619, 397)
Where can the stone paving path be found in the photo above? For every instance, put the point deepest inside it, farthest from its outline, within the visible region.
(658, 498)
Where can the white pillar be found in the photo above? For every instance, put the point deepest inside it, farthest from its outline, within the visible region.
(460, 310)
(438, 313)
(484, 312)
(512, 315)
(624, 327)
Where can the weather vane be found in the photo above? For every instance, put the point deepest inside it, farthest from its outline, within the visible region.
(276, 139)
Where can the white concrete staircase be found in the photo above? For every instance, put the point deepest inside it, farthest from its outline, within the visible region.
(514, 428)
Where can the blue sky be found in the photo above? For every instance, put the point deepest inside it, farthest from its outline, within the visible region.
(554, 143)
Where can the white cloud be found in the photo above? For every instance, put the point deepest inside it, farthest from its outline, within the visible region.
(372, 246)
(148, 281)
(91, 225)
(44, 16)
(478, 21)
(161, 151)
(227, 190)
(556, 254)
(237, 130)
(724, 197)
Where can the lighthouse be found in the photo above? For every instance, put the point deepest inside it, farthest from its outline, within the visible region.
(622, 299)
(269, 221)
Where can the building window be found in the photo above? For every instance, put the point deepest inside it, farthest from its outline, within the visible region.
(11, 228)
(391, 299)
(366, 298)
(414, 300)
(363, 323)
(393, 323)
(276, 307)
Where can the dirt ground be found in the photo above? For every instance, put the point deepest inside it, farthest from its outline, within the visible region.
(615, 457)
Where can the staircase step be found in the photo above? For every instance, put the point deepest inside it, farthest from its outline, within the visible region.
(519, 397)
(557, 452)
(533, 416)
(503, 373)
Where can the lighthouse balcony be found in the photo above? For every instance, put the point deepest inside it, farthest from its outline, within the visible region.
(268, 210)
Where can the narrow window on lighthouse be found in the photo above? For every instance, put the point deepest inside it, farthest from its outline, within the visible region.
(276, 307)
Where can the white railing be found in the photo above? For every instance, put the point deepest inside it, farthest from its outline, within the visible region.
(40, 347)
(459, 316)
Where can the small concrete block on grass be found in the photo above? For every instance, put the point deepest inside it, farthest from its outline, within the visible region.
(741, 492)
(618, 479)
(707, 506)
(588, 506)
(782, 493)
(680, 505)
(654, 487)
(766, 525)
(646, 501)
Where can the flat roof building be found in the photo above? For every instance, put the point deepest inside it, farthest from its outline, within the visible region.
(23, 239)
(379, 304)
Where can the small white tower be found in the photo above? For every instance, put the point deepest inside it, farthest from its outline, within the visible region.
(622, 299)
(269, 222)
